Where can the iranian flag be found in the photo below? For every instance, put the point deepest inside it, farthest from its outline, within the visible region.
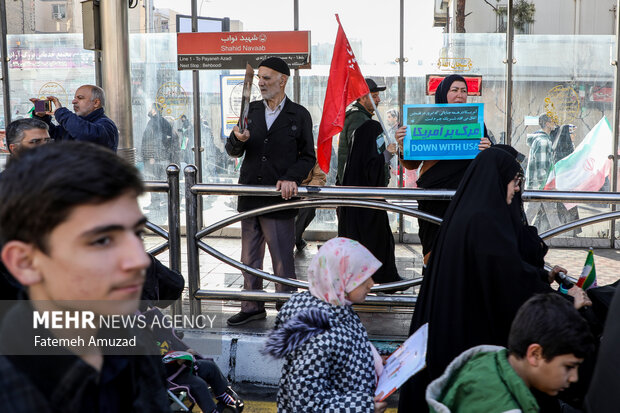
(586, 168)
(587, 279)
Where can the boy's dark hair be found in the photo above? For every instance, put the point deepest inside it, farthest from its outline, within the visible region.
(552, 322)
(40, 188)
(15, 130)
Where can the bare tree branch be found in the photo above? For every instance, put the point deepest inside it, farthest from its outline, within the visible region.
(492, 6)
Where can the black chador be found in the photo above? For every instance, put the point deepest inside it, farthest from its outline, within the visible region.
(370, 227)
(476, 279)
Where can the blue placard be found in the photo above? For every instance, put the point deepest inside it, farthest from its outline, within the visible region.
(443, 131)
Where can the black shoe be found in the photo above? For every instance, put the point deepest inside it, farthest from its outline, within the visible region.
(242, 318)
(301, 245)
(279, 305)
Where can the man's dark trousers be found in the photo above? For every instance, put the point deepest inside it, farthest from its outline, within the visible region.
(279, 235)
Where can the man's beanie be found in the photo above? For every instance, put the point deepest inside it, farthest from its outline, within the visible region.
(276, 64)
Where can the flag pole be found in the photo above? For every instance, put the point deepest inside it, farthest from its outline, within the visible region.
(387, 135)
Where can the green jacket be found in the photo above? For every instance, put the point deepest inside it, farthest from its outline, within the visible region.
(354, 118)
(480, 380)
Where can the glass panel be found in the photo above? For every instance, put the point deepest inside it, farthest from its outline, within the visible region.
(43, 65)
(161, 110)
(431, 52)
(3, 149)
(46, 53)
(217, 165)
(154, 74)
(374, 39)
(43, 17)
(563, 101)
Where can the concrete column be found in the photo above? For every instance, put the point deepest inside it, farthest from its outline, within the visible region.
(115, 72)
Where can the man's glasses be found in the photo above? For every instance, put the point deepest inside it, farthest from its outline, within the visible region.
(39, 141)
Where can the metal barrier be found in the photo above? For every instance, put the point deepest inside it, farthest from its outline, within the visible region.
(172, 237)
(324, 197)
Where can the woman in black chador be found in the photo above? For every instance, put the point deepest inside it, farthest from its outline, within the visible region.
(370, 227)
(436, 174)
(476, 277)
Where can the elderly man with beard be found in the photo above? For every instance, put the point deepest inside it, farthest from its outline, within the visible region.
(279, 150)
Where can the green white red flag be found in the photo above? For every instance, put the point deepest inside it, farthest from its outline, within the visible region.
(587, 279)
(586, 168)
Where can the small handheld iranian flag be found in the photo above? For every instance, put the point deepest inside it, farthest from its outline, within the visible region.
(587, 279)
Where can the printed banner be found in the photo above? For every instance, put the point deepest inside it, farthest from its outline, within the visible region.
(447, 131)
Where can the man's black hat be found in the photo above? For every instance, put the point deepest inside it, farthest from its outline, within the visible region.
(276, 64)
(372, 86)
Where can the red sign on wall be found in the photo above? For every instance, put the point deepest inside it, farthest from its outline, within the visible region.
(601, 94)
(474, 84)
(232, 50)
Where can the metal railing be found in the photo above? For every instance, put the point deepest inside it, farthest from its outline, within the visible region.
(332, 197)
(172, 237)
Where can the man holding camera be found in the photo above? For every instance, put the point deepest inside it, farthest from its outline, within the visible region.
(88, 123)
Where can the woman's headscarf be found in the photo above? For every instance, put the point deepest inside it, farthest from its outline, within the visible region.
(441, 94)
(531, 247)
(516, 206)
(340, 266)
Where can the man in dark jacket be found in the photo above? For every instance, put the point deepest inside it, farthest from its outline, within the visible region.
(279, 150)
(88, 123)
(361, 111)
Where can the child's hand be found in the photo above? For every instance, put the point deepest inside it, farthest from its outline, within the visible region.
(580, 297)
(192, 352)
(379, 406)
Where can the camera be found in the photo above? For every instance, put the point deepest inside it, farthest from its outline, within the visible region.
(42, 106)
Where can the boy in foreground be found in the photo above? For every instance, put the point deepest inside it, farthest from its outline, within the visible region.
(70, 233)
(548, 341)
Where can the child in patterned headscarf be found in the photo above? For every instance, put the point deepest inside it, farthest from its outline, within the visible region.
(330, 364)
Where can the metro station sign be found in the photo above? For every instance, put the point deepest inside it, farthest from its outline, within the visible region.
(232, 50)
(474, 84)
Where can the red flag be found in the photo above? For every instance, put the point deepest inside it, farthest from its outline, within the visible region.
(345, 84)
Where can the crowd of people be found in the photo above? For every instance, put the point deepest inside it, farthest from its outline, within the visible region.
(500, 338)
